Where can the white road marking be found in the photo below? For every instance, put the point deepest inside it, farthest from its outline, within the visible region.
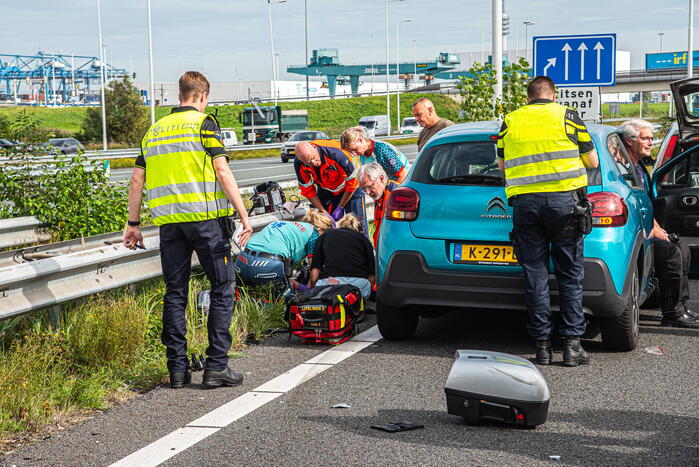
(165, 448)
(181, 439)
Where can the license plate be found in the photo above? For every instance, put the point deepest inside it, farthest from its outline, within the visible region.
(292, 152)
(497, 255)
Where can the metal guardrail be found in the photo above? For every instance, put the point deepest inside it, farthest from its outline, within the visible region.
(21, 231)
(39, 277)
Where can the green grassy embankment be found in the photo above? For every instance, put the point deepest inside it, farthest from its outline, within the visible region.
(658, 109)
(332, 116)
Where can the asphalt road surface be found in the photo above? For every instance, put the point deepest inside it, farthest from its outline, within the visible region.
(250, 172)
(632, 408)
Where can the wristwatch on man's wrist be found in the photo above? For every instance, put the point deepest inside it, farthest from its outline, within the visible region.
(133, 223)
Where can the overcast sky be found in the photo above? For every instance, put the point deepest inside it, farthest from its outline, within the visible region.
(229, 40)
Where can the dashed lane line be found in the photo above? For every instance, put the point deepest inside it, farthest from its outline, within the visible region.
(197, 430)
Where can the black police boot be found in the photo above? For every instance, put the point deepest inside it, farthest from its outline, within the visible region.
(680, 320)
(573, 353)
(690, 312)
(179, 379)
(227, 377)
(544, 354)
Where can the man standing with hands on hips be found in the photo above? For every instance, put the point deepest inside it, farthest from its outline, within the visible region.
(544, 149)
(190, 190)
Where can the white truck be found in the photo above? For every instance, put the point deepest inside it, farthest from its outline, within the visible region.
(375, 125)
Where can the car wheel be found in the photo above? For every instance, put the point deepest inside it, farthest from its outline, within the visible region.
(285, 159)
(621, 333)
(396, 323)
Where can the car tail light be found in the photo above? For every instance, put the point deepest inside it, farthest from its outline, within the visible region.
(669, 150)
(403, 204)
(608, 209)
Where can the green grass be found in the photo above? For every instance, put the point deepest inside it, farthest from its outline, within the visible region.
(658, 109)
(332, 115)
(106, 348)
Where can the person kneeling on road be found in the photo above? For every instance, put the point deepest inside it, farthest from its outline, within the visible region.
(670, 259)
(344, 256)
(328, 178)
(375, 183)
(270, 255)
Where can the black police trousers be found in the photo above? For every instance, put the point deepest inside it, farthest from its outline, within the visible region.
(177, 242)
(537, 218)
(672, 262)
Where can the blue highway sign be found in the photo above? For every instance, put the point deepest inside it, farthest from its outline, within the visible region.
(668, 60)
(582, 60)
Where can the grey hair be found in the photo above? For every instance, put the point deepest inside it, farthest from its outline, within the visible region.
(373, 171)
(424, 100)
(631, 128)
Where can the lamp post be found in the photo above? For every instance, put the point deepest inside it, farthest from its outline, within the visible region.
(276, 58)
(497, 47)
(526, 39)
(104, 110)
(271, 40)
(305, 59)
(151, 89)
(660, 35)
(371, 42)
(388, 75)
(690, 41)
(409, 20)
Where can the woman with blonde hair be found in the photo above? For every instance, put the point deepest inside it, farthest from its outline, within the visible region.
(270, 254)
(344, 256)
(367, 150)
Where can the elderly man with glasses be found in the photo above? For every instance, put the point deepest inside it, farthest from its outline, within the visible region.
(671, 255)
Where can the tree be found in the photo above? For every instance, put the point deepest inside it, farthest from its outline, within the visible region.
(127, 117)
(477, 91)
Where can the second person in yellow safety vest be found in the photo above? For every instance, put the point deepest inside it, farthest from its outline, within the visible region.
(190, 189)
(544, 149)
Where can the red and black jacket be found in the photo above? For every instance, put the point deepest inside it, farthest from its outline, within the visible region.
(336, 174)
(379, 207)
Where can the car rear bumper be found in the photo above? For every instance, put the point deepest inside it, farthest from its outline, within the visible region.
(408, 281)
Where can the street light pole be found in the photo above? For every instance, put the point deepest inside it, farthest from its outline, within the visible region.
(271, 40)
(690, 41)
(104, 110)
(150, 68)
(526, 40)
(305, 59)
(398, 71)
(497, 47)
(660, 35)
(388, 74)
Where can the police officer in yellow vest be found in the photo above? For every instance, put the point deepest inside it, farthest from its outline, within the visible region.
(190, 189)
(544, 149)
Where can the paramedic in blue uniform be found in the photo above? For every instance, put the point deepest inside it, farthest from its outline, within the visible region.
(544, 149)
(269, 255)
(190, 189)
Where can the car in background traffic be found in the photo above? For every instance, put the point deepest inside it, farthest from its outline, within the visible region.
(444, 242)
(66, 145)
(229, 138)
(288, 150)
(375, 125)
(6, 144)
(675, 181)
(410, 126)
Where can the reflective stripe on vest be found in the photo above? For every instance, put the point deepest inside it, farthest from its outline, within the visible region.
(539, 156)
(180, 178)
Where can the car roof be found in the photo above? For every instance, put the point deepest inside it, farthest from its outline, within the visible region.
(475, 131)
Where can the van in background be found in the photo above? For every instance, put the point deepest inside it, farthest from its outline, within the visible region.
(375, 125)
(230, 139)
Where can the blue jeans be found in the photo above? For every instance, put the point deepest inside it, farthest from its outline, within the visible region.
(355, 205)
(536, 219)
(359, 282)
(258, 270)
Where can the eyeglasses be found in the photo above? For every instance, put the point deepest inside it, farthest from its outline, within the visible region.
(644, 138)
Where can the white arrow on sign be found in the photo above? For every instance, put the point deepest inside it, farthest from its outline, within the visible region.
(551, 62)
(582, 50)
(566, 48)
(598, 47)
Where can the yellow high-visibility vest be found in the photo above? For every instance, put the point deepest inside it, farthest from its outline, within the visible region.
(539, 156)
(181, 183)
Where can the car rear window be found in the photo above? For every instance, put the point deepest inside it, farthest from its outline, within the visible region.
(472, 163)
